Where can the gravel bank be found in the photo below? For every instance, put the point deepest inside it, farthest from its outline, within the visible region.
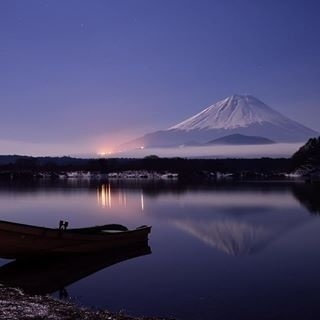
(16, 305)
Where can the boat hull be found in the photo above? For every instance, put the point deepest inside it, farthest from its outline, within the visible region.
(18, 240)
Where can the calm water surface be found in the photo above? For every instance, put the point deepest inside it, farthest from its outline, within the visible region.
(225, 251)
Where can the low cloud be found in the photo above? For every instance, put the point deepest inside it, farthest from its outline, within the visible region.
(227, 151)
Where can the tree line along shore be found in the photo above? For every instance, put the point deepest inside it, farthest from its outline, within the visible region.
(22, 166)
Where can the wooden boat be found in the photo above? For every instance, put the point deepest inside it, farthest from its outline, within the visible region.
(21, 240)
(48, 274)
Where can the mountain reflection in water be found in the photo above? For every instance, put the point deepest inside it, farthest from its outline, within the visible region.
(237, 236)
(308, 195)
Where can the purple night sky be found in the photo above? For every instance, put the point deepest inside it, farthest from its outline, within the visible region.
(82, 76)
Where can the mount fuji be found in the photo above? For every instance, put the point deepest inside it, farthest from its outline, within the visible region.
(238, 114)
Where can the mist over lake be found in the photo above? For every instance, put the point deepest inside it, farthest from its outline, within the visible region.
(278, 150)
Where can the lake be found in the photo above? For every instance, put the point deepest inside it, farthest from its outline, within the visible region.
(227, 250)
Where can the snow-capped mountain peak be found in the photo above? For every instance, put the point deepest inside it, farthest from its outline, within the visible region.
(237, 111)
(236, 115)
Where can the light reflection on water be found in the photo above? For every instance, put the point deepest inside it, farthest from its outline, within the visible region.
(229, 251)
(108, 198)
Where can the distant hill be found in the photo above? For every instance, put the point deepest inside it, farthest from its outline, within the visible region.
(309, 154)
(240, 139)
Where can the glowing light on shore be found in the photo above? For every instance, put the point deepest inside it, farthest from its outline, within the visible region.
(104, 153)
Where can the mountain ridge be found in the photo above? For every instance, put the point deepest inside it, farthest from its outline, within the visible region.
(240, 139)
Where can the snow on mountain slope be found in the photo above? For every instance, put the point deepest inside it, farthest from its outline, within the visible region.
(234, 112)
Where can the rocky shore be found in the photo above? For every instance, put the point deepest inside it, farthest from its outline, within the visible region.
(16, 305)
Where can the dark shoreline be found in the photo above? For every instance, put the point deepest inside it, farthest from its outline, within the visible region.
(22, 163)
(23, 167)
(15, 304)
